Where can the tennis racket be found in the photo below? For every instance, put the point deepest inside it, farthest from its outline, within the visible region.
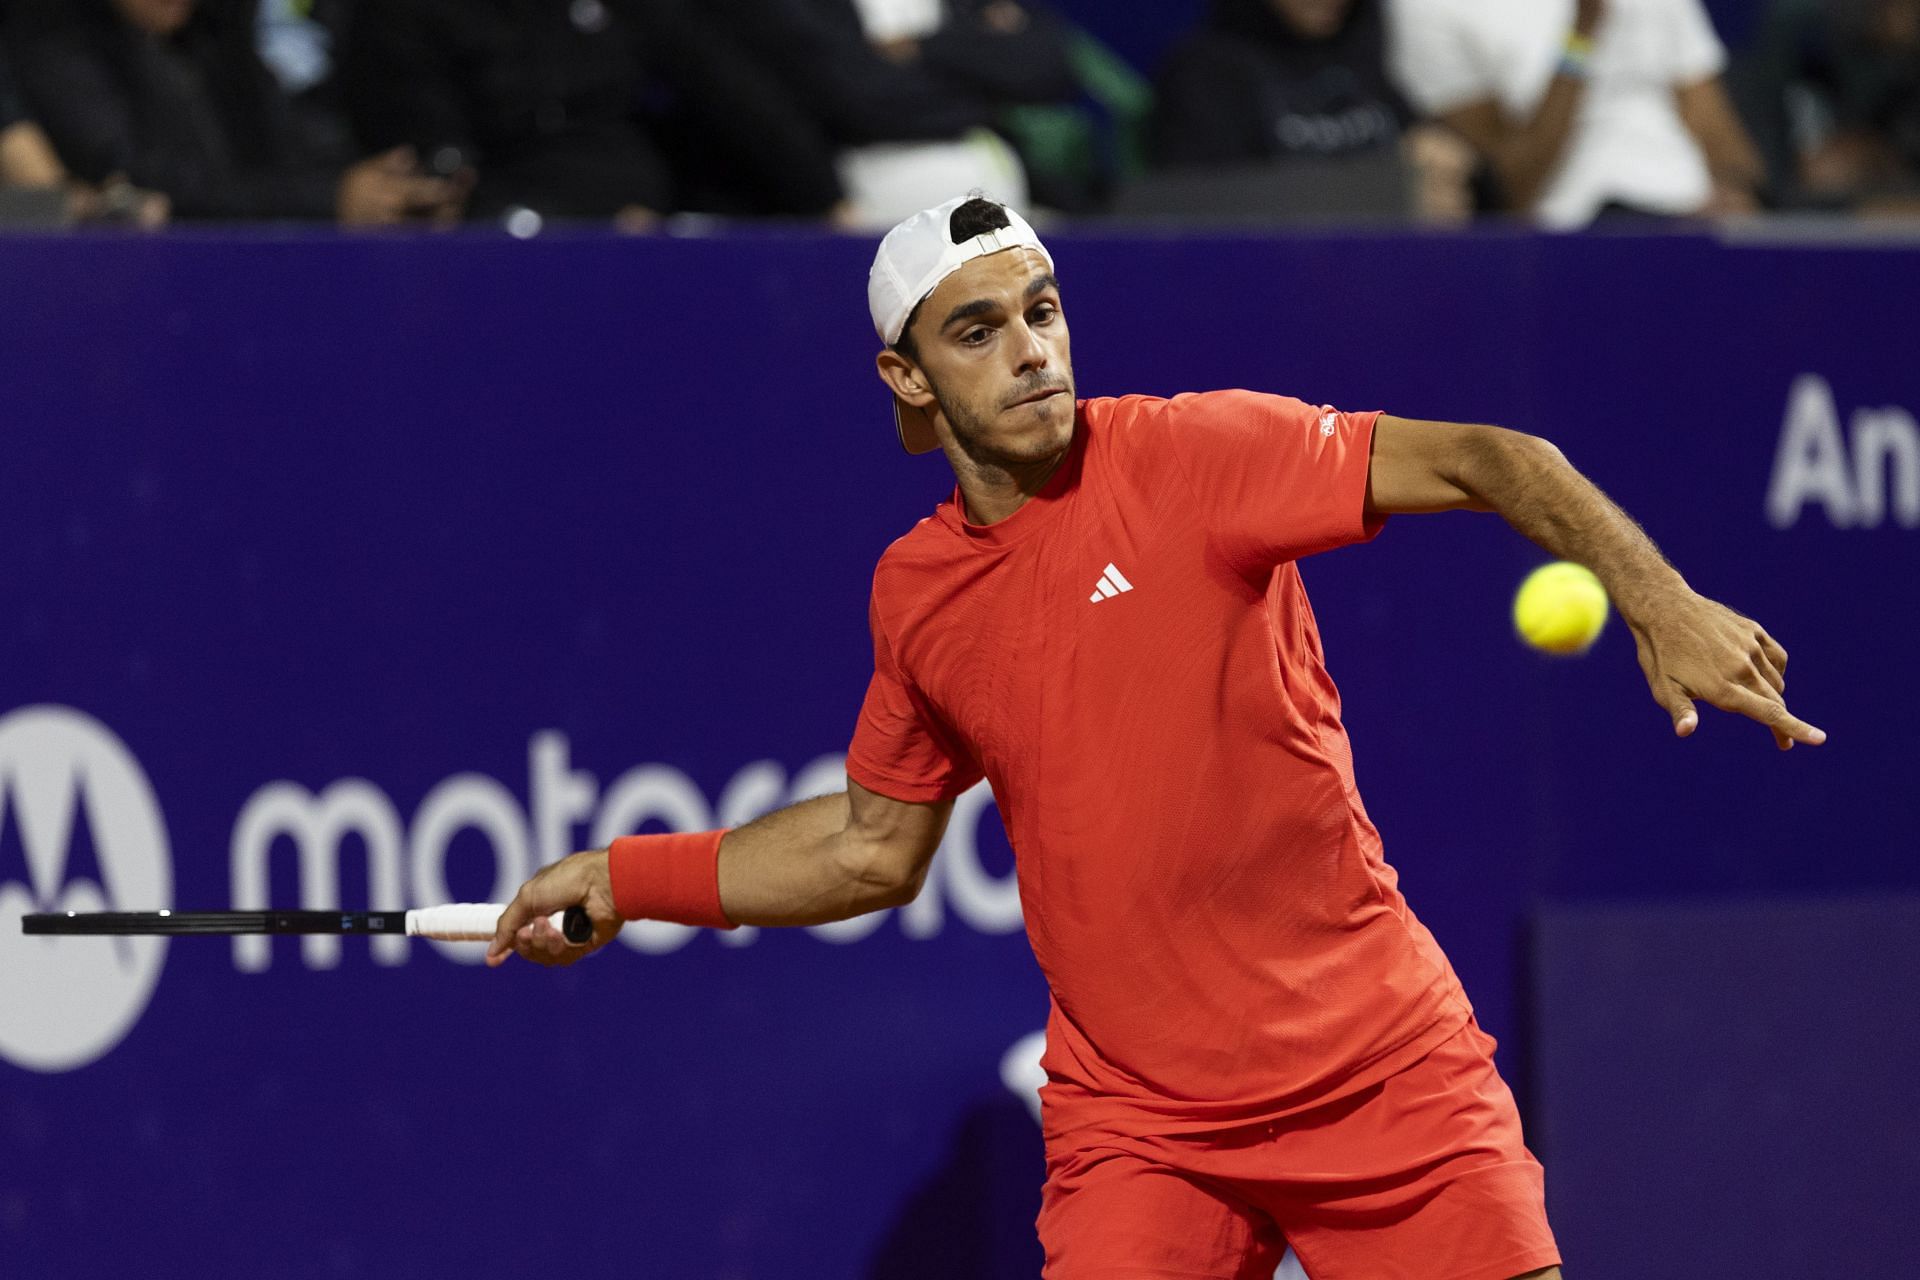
(455, 922)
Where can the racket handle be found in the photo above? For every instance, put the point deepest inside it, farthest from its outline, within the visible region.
(476, 922)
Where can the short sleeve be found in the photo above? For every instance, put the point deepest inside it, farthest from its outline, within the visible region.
(900, 747)
(1433, 60)
(1697, 52)
(1276, 478)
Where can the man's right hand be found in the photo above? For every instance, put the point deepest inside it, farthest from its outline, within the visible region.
(582, 880)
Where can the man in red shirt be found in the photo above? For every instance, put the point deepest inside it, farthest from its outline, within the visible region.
(1252, 1041)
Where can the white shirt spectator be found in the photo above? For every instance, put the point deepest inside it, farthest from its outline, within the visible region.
(1628, 145)
(888, 181)
(885, 20)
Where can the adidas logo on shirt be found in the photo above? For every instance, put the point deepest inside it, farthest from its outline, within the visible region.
(1112, 583)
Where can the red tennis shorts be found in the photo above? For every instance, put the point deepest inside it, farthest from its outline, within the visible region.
(1423, 1176)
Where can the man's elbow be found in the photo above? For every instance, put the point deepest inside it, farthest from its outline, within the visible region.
(899, 890)
(1495, 463)
(894, 888)
(1537, 450)
(883, 877)
(1498, 452)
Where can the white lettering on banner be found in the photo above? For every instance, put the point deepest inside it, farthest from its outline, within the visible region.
(316, 825)
(1887, 440)
(560, 798)
(1812, 464)
(67, 780)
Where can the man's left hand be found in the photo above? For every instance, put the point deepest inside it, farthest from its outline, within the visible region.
(1695, 648)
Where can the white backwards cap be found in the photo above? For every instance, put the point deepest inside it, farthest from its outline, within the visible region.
(914, 258)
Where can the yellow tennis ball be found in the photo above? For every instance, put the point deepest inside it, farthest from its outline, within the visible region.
(1560, 608)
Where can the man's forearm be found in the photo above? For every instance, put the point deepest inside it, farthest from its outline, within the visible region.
(1533, 486)
(1690, 647)
(804, 865)
(810, 863)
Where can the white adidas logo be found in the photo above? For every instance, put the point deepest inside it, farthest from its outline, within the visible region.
(1112, 583)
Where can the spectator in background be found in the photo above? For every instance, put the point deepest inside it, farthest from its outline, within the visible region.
(1831, 89)
(542, 103)
(1274, 82)
(991, 55)
(1276, 79)
(537, 100)
(1583, 108)
(29, 162)
(171, 94)
(908, 90)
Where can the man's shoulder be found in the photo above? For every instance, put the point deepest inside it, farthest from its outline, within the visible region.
(1137, 408)
(917, 570)
(928, 533)
(931, 543)
(1144, 420)
(1122, 421)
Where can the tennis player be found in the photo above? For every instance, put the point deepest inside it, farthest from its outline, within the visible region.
(1252, 1040)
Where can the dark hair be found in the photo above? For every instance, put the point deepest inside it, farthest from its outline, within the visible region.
(974, 218)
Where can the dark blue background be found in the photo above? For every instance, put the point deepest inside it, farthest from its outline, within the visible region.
(1730, 1084)
(318, 508)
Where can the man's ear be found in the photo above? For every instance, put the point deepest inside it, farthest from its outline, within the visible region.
(903, 378)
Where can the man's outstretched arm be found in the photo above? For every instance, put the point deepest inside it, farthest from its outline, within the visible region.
(821, 860)
(1690, 647)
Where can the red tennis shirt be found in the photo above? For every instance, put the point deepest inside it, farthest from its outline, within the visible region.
(1131, 662)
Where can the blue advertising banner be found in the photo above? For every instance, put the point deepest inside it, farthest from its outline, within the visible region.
(363, 571)
(1709, 1065)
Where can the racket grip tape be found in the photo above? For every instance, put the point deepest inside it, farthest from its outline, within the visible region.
(476, 922)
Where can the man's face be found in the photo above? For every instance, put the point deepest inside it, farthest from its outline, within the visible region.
(1313, 19)
(157, 17)
(993, 351)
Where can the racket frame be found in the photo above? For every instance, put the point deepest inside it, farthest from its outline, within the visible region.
(577, 927)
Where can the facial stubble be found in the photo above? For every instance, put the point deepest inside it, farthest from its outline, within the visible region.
(972, 427)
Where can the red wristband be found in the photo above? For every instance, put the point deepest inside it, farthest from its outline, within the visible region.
(672, 877)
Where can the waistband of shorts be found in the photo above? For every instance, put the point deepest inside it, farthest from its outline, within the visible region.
(1074, 1119)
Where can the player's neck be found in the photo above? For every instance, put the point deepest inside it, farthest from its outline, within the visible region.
(992, 491)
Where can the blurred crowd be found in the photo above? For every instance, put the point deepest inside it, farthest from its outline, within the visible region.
(524, 113)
